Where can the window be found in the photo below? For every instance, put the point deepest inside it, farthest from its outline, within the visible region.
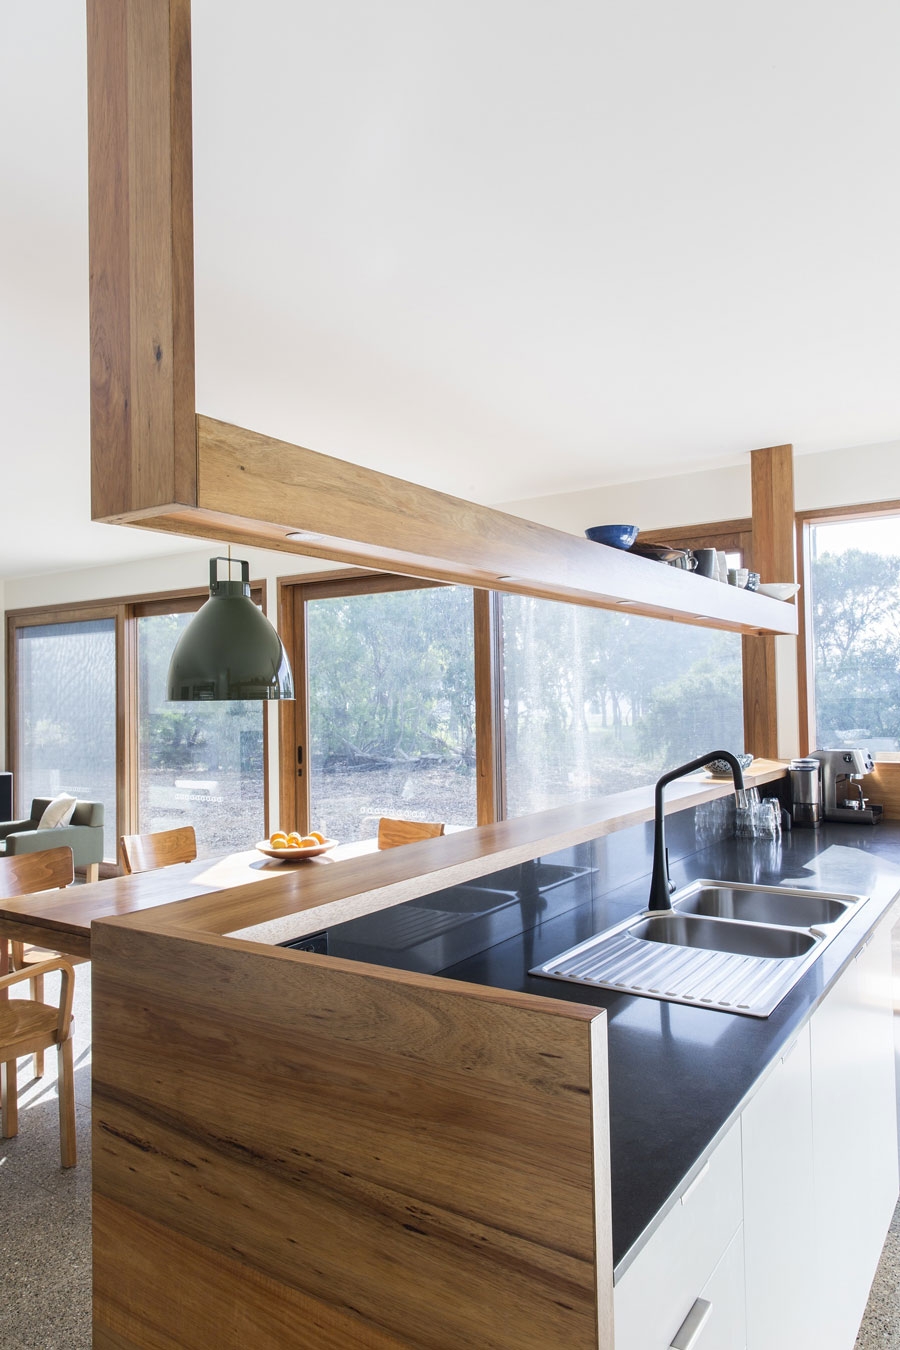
(391, 707)
(88, 714)
(853, 631)
(65, 728)
(596, 702)
(198, 764)
(400, 698)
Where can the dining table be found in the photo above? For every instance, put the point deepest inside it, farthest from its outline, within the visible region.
(61, 919)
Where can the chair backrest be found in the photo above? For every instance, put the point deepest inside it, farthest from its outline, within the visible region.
(144, 852)
(85, 813)
(393, 833)
(25, 873)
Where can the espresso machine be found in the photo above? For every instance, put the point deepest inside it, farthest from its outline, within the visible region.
(842, 794)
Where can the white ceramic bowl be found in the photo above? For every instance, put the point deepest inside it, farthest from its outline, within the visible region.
(779, 590)
(295, 854)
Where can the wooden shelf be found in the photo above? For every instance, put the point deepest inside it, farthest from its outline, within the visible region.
(254, 491)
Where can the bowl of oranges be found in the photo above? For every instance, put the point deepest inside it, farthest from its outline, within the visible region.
(294, 846)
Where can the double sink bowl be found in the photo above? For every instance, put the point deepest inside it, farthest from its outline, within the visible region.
(723, 945)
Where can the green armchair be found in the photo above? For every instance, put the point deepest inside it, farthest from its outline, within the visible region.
(83, 835)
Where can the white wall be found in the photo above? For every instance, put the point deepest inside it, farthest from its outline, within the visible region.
(852, 477)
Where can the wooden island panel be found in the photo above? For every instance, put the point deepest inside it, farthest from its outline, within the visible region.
(292, 1150)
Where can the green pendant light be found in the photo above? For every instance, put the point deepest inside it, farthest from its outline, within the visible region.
(229, 649)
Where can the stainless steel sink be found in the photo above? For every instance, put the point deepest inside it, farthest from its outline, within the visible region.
(722, 945)
(741, 939)
(770, 905)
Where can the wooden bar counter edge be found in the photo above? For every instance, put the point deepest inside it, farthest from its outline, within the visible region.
(296, 1150)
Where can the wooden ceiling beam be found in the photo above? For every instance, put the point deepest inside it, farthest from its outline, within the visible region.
(143, 442)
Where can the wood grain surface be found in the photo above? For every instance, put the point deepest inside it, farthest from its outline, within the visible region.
(772, 488)
(883, 787)
(163, 848)
(772, 485)
(254, 491)
(143, 442)
(396, 833)
(410, 1164)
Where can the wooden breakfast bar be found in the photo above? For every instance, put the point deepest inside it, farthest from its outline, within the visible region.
(302, 1150)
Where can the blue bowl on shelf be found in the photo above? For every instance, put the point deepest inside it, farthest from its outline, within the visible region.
(615, 536)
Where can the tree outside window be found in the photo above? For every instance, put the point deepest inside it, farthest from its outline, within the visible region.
(854, 581)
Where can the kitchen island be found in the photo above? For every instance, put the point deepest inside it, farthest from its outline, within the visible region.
(298, 1149)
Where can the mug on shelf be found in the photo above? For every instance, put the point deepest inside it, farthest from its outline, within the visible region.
(707, 562)
(738, 576)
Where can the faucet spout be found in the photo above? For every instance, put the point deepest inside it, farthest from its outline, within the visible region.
(661, 884)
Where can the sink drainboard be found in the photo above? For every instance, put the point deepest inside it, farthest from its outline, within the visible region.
(752, 985)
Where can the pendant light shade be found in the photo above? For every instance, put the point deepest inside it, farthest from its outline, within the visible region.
(229, 649)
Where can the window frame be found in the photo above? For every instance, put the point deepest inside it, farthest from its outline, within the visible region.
(805, 678)
(125, 611)
(294, 595)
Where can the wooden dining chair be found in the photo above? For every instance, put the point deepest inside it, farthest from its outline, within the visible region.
(145, 852)
(24, 874)
(28, 1027)
(393, 833)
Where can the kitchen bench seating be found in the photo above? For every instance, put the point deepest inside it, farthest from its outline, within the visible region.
(28, 1027)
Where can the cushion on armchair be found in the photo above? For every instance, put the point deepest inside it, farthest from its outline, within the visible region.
(58, 813)
(83, 834)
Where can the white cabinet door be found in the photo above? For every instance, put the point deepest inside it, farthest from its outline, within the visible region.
(782, 1270)
(854, 1137)
(879, 1184)
(717, 1319)
(657, 1292)
(726, 1326)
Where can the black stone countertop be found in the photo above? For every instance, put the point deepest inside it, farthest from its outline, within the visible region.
(678, 1075)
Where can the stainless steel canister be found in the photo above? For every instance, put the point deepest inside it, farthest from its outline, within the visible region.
(806, 792)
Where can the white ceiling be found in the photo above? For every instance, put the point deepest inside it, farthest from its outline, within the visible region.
(504, 249)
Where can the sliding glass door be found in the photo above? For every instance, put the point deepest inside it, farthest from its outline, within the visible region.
(388, 669)
(65, 724)
(89, 715)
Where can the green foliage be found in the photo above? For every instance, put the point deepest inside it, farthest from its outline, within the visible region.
(597, 700)
(391, 675)
(672, 725)
(856, 645)
(173, 738)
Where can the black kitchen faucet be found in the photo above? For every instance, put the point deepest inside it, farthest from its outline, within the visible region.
(661, 884)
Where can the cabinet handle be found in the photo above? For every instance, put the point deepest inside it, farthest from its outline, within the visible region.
(688, 1333)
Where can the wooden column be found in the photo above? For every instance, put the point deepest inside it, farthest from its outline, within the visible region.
(143, 426)
(772, 488)
(488, 712)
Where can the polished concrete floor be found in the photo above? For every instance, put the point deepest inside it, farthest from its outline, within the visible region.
(45, 1221)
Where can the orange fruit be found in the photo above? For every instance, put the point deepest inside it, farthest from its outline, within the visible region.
(294, 839)
(319, 838)
(309, 842)
(279, 839)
